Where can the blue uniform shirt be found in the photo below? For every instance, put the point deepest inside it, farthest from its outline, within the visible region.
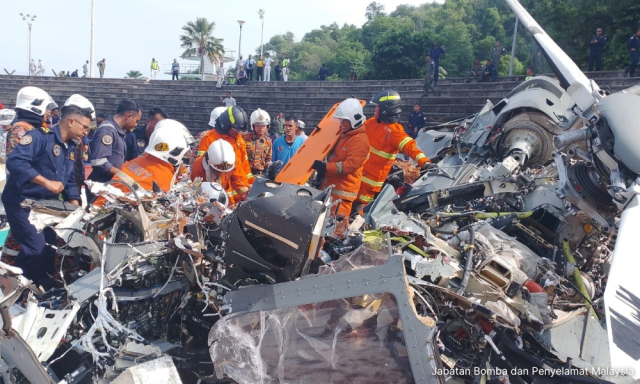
(436, 52)
(136, 142)
(41, 152)
(633, 42)
(417, 120)
(597, 48)
(283, 151)
(107, 150)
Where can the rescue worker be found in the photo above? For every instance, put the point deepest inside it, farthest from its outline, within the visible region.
(137, 140)
(78, 168)
(161, 161)
(216, 166)
(596, 47)
(387, 137)
(229, 126)
(212, 123)
(343, 168)
(258, 143)
(41, 167)
(31, 109)
(417, 121)
(108, 148)
(284, 147)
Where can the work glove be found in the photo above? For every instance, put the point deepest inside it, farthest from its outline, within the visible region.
(320, 166)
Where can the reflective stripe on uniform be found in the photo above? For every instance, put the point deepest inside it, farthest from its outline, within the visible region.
(390, 97)
(10, 252)
(421, 156)
(404, 142)
(344, 194)
(371, 182)
(233, 193)
(98, 162)
(339, 166)
(366, 199)
(231, 118)
(200, 153)
(250, 175)
(383, 154)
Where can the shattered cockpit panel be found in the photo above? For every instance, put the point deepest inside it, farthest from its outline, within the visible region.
(357, 316)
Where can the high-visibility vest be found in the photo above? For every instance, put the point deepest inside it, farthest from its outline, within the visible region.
(154, 65)
(285, 62)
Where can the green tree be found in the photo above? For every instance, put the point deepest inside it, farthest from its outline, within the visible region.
(198, 40)
(278, 45)
(374, 9)
(134, 75)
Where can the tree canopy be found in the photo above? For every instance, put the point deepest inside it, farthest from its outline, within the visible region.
(393, 45)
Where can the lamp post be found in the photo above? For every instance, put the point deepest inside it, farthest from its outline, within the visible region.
(513, 47)
(261, 13)
(240, 40)
(93, 20)
(29, 19)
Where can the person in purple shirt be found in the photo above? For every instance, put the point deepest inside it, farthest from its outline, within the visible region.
(436, 53)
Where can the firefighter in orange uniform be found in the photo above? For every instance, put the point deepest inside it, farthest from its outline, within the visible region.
(229, 126)
(343, 167)
(161, 160)
(216, 166)
(387, 137)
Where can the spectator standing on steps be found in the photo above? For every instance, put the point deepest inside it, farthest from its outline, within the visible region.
(489, 72)
(322, 73)
(260, 68)
(102, 64)
(85, 69)
(154, 69)
(475, 71)
(249, 64)
(285, 73)
(175, 70)
(352, 75)
(239, 63)
(267, 68)
(436, 53)
(228, 101)
(596, 46)
(277, 71)
(220, 75)
(430, 77)
(634, 53)
(32, 68)
(417, 121)
(497, 52)
(41, 68)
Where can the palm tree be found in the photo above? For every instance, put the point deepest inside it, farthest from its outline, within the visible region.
(199, 40)
(134, 75)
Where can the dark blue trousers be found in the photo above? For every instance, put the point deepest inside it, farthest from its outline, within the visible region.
(36, 259)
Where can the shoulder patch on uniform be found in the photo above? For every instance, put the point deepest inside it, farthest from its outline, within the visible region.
(26, 140)
(141, 143)
(72, 156)
(56, 150)
(45, 129)
(107, 139)
(162, 147)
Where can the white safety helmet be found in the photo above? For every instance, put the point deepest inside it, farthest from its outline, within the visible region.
(260, 117)
(7, 116)
(301, 124)
(215, 193)
(34, 100)
(214, 115)
(168, 142)
(81, 102)
(351, 110)
(221, 156)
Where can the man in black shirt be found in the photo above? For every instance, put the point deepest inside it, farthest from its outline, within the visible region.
(322, 73)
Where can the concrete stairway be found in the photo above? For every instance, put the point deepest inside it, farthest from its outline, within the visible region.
(191, 102)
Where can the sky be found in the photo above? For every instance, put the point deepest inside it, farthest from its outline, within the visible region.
(129, 33)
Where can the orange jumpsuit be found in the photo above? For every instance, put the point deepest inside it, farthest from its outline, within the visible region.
(344, 168)
(386, 140)
(242, 170)
(222, 178)
(144, 169)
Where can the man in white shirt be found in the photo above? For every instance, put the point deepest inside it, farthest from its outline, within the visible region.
(267, 68)
(239, 63)
(32, 68)
(41, 68)
(228, 101)
(220, 75)
(85, 69)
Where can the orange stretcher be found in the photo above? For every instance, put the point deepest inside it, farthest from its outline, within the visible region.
(319, 144)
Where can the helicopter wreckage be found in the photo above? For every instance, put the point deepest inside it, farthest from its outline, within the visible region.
(508, 261)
